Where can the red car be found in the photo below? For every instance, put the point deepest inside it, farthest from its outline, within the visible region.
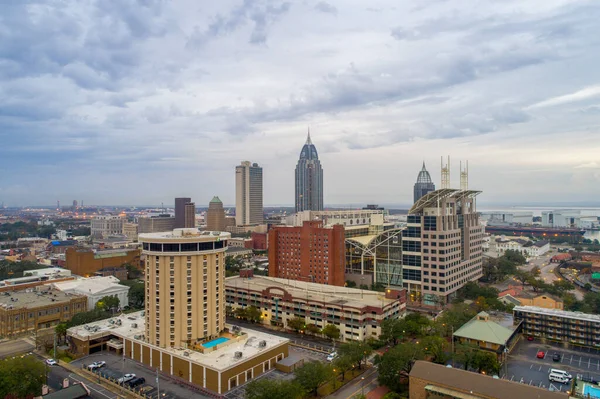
(529, 338)
(540, 355)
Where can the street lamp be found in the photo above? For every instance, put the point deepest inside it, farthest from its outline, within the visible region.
(363, 385)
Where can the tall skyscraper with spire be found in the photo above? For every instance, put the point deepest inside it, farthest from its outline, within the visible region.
(423, 185)
(309, 179)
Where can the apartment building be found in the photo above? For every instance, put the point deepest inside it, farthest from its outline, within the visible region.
(570, 328)
(155, 224)
(311, 253)
(441, 245)
(106, 225)
(185, 272)
(357, 313)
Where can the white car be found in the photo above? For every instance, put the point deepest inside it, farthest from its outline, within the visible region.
(331, 356)
(125, 378)
(51, 362)
(96, 365)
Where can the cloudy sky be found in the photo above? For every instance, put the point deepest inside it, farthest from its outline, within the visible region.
(136, 102)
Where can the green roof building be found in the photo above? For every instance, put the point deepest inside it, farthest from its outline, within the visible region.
(488, 334)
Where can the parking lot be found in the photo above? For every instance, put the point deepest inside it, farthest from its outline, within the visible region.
(116, 367)
(524, 366)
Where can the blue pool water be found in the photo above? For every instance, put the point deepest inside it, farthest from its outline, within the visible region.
(214, 342)
(591, 390)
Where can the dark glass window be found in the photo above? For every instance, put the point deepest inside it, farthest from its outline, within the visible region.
(413, 246)
(189, 247)
(155, 247)
(205, 246)
(408, 274)
(170, 247)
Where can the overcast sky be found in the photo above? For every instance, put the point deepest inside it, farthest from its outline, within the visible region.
(124, 102)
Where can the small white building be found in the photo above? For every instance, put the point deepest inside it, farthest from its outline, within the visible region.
(54, 272)
(96, 288)
(526, 247)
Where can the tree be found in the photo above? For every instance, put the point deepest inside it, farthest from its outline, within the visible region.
(88, 317)
(415, 324)
(355, 351)
(137, 294)
(21, 377)
(132, 271)
(331, 331)
(240, 313)
(515, 257)
(108, 303)
(253, 314)
(296, 324)
(522, 276)
(350, 284)
(266, 388)
(455, 317)
(397, 363)
(312, 329)
(341, 365)
(486, 362)
(312, 375)
(481, 304)
(392, 395)
(61, 330)
(465, 354)
(392, 330)
(435, 348)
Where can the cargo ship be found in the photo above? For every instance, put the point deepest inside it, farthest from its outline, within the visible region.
(535, 231)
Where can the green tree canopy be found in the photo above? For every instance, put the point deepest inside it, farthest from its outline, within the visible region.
(435, 347)
(355, 351)
(253, 314)
(136, 295)
(331, 331)
(392, 330)
(21, 377)
(397, 363)
(312, 375)
(265, 388)
(312, 329)
(296, 324)
(108, 303)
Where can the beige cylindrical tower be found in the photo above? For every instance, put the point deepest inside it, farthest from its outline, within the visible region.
(185, 280)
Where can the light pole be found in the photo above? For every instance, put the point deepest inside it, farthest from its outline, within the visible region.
(363, 385)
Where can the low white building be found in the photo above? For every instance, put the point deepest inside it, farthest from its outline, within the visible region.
(524, 246)
(96, 288)
(54, 272)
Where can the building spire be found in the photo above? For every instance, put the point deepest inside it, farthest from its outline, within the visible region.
(424, 166)
(308, 141)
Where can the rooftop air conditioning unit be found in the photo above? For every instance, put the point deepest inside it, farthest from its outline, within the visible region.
(186, 353)
(238, 355)
(262, 344)
(134, 325)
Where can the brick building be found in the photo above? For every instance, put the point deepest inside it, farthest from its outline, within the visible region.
(310, 253)
(23, 311)
(86, 262)
(260, 241)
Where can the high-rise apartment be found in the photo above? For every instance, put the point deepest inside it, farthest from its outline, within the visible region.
(215, 215)
(185, 280)
(424, 184)
(310, 253)
(309, 179)
(180, 211)
(189, 215)
(248, 194)
(441, 245)
(106, 225)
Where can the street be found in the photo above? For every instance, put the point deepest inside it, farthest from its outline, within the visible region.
(15, 347)
(56, 375)
(362, 384)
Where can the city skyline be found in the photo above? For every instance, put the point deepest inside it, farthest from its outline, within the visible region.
(383, 88)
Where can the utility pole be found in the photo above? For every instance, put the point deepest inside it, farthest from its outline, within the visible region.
(157, 385)
(54, 344)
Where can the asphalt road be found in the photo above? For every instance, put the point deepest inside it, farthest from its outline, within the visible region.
(362, 384)
(14, 347)
(57, 374)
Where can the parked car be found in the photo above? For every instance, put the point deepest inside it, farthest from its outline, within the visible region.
(331, 356)
(558, 378)
(541, 355)
(530, 338)
(125, 378)
(97, 365)
(136, 381)
(556, 357)
(51, 362)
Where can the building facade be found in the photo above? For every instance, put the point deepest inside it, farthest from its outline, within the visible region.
(309, 179)
(357, 313)
(312, 253)
(96, 288)
(215, 215)
(180, 211)
(569, 328)
(106, 225)
(185, 273)
(189, 215)
(423, 185)
(86, 262)
(130, 230)
(441, 245)
(155, 224)
(248, 194)
(23, 311)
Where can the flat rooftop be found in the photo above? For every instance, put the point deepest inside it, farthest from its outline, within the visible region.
(33, 299)
(559, 313)
(220, 359)
(191, 233)
(339, 296)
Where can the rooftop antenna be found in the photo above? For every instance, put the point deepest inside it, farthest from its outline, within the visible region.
(445, 173)
(464, 176)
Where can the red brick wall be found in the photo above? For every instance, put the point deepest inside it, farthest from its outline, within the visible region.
(259, 241)
(303, 253)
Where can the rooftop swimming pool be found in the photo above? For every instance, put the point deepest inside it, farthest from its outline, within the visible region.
(592, 391)
(214, 342)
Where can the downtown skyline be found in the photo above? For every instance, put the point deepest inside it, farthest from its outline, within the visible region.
(159, 92)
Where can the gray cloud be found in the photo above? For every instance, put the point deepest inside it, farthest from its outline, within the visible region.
(325, 7)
